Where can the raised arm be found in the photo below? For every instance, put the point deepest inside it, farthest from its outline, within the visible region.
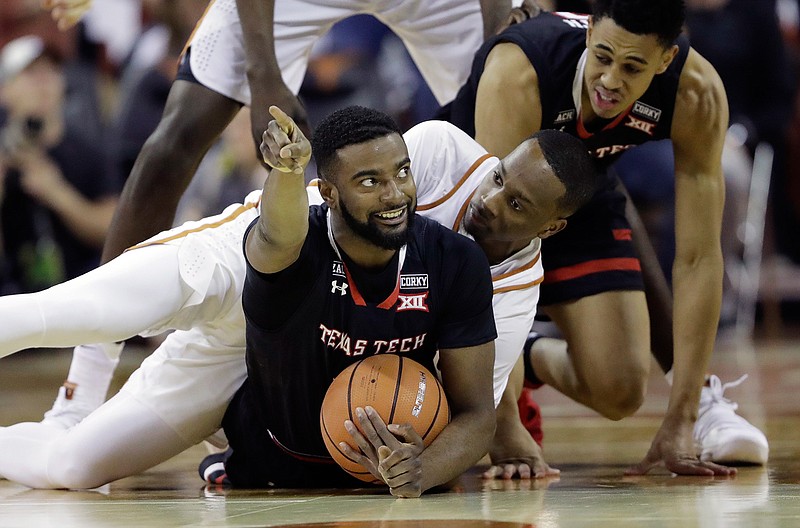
(507, 105)
(267, 87)
(698, 134)
(275, 241)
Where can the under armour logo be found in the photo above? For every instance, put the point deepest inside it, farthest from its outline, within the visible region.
(341, 287)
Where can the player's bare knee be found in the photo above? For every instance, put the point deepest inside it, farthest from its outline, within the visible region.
(629, 399)
(617, 393)
(624, 396)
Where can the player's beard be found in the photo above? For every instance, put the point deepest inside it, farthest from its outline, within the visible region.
(372, 232)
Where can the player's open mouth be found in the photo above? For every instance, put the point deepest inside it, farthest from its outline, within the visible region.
(605, 100)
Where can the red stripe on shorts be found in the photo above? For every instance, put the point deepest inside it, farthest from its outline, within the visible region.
(592, 266)
(621, 234)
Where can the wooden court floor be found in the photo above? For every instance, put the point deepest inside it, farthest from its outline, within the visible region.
(591, 452)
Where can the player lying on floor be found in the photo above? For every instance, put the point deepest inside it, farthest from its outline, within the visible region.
(191, 279)
(324, 288)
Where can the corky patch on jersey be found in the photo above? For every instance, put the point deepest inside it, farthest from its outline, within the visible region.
(414, 299)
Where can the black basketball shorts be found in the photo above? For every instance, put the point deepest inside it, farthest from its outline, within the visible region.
(593, 254)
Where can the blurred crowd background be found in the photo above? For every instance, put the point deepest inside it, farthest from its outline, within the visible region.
(72, 123)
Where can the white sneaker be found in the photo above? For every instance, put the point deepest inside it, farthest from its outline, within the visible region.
(723, 436)
(69, 408)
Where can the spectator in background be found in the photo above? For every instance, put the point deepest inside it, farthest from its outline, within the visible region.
(343, 68)
(82, 104)
(58, 190)
(146, 75)
(360, 61)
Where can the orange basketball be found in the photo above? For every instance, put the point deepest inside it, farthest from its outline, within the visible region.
(400, 389)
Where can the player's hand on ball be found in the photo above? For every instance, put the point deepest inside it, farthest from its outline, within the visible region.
(401, 468)
(284, 147)
(383, 453)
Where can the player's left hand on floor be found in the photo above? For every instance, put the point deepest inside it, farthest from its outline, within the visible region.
(522, 468)
(673, 450)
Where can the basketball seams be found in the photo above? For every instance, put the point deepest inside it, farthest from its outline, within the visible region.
(397, 383)
(350, 390)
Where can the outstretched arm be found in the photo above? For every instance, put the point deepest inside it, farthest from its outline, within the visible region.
(698, 134)
(275, 242)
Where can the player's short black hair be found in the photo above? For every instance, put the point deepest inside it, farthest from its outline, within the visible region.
(663, 18)
(349, 126)
(572, 165)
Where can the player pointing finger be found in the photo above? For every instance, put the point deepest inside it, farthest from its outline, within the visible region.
(284, 147)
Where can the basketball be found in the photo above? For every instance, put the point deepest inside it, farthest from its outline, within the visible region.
(400, 389)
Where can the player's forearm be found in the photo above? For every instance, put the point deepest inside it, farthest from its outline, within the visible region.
(698, 293)
(459, 446)
(257, 19)
(284, 209)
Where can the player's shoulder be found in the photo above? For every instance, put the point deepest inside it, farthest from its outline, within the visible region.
(701, 99)
(433, 140)
(698, 75)
(434, 134)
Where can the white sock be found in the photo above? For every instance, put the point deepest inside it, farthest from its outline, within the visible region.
(86, 386)
(91, 371)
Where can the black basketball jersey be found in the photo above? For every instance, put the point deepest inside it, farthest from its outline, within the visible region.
(554, 43)
(440, 298)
